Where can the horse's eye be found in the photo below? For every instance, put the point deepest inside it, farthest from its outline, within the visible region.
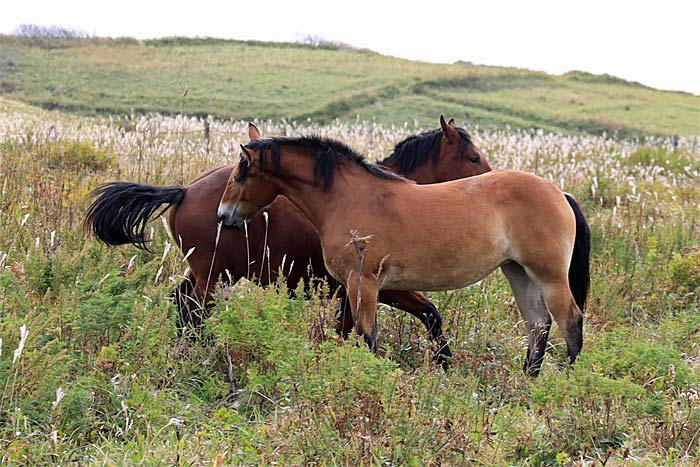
(243, 169)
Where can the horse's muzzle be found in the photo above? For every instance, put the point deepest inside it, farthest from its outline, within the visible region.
(229, 216)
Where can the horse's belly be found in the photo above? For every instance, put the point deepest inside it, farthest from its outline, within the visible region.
(436, 276)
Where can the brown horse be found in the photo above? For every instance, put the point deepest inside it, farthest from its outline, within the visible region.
(284, 239)
(380, 231)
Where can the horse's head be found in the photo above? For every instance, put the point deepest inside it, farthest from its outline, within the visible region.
(440, 155)
(459, 156)
(247, 190)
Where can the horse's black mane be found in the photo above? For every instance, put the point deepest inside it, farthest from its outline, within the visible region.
(415, 150)
(330, 154)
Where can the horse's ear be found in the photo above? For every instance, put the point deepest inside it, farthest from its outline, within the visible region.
(253, 132)
(452, 123)
(448, 131)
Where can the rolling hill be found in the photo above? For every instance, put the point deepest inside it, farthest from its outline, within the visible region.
(246, 80)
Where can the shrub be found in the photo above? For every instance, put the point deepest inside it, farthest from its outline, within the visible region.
(49, 37)
(684, 269)
(77, 155)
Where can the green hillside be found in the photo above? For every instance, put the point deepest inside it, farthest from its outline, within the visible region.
(245, 80)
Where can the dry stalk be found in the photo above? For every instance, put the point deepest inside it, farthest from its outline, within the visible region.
(360, 243)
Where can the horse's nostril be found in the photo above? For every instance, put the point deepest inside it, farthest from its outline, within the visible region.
(221, 218)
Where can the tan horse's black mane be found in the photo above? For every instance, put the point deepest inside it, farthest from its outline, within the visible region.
(407, 155)
(329, 155)
(415, 150)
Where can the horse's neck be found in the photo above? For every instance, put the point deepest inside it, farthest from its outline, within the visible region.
(349, 191)
(394, 167)
(422, 173)
(311, 201)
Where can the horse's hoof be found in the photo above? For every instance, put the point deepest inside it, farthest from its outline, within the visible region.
(443, 356)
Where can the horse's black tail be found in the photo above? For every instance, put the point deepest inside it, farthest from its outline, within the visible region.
(121, 210)
(579, 269)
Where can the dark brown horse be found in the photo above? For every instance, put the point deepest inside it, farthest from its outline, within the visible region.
(380, 231)
(281, 240)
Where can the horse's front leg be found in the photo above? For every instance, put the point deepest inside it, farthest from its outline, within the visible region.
(344, 321)
(362, 294)
(423, 309)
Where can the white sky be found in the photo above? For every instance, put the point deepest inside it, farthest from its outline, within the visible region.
(654, 42)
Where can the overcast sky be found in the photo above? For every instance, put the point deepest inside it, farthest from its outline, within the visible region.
(656, 43)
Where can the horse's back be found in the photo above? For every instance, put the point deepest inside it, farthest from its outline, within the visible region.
(468, 228)
(203, 193)
(209, 172)
(501, 195)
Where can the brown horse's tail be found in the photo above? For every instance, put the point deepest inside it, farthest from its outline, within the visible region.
(121, 210)
(579, 269)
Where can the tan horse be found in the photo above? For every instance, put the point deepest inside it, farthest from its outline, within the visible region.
(380, 231)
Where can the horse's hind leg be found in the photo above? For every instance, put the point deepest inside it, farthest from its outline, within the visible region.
(566, 313)
(528, 296)
(188, 307)
(423, 309)
(192, 297)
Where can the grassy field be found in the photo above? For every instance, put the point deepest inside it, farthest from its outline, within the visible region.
(245, 80)
(92, 371)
